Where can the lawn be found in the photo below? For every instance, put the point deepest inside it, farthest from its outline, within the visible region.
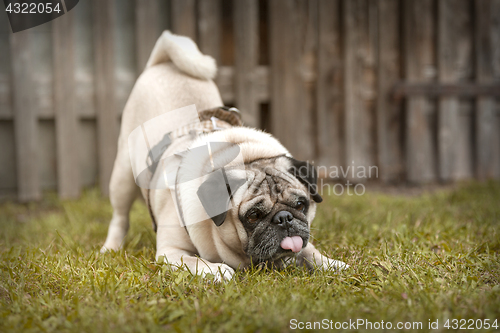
(414, 259)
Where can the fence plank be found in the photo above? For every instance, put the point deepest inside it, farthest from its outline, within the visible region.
(495, 42)
(307, 49)
(420, 67)
(452, 37)
(184, 18)
(25, 121)
(107, 122)
(146, 30)
(389, 112)
(84, 61)
(465, 72)
(8, 181)
(359, 75)
(246, 59)
(5, 69)
(282, 80)
(292, 74)
(329, 85)
(68, 173)
(42, 71)
(209, 28)
(47, 161)
(8, 172)
(128, 49)
(485, 113)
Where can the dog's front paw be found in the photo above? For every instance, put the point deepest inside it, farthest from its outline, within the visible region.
(224, 273)
(220, 272)
(328, 264)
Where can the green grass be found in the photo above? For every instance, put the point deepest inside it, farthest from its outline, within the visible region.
(415, 259)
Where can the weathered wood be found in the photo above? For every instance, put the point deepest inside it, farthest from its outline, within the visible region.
(281, 79)
(84, 61)
(107, 123)
(209, 28)
(307, 48)
(485, 113)
(25, 122)
(304, 85)
(42, 70)
(129, 24)
(389, 112)
(68, 173)
(8, 174)
(84, 81)
(495, 41)
(146, 30)
(8, 181)
(329, 85)
(184, 18)
(87, 151)
(246, 59)
(453, 25)
(292, 42)
(465, 72)
(359, 83)
(420, 67)
(434, 90)
(5, 70)
(164, 19)
(47, 162)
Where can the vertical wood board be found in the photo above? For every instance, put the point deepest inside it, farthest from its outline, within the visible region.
(68, 173)
(209, 28)
(84, 61)
(420, 66)
(5, 70)
(25, 121)
(453, 46)
(146, 30)
(359, 82)
(292, 41)
(485, 113)
(390, 119)
(47, 154)
(128, 48)
(42, 69)
(184, 18)
(107, 123)
(329, 85)
(246, 60)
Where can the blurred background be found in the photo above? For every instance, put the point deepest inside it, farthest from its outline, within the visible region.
(409, 86)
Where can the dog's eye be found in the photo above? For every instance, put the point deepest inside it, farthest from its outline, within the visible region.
(300, 206)
(253, 217)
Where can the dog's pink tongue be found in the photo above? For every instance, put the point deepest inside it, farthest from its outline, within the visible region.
(292, 243)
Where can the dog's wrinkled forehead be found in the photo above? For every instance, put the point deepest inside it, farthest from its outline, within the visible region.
(269, 180)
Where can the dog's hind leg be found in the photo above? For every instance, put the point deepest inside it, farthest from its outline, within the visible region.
(122, 193)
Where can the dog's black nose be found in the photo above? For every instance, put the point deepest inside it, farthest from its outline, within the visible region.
(283, 218)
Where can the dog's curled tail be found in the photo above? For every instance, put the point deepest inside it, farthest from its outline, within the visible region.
(184, 53)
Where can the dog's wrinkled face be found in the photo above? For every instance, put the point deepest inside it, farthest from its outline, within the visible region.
(273, 201)
(275, 211)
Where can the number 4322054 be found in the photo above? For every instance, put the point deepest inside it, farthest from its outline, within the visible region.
(32, 8)
(471, 324)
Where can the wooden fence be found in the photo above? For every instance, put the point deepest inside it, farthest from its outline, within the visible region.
(409, 86)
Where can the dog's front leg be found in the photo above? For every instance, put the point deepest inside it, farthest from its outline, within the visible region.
(312, 258)
(176, 248)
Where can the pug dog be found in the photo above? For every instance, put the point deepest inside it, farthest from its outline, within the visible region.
(238, 198)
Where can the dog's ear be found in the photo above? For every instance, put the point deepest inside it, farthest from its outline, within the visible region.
(215, 194)
(307, 175)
